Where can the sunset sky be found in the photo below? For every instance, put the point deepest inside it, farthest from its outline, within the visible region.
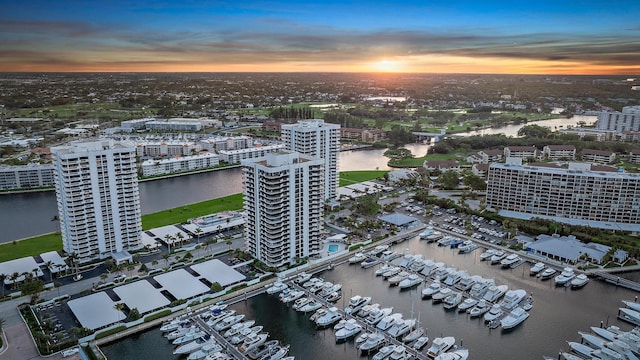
(428, 36)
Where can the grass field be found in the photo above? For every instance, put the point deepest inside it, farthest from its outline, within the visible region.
(353, 177)
(51, 242)
(419, 161)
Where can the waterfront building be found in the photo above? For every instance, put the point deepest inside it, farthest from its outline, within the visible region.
(26, 177)
(568, 249)
(318, 139)
(173, 125)
(441, 165)
(628, 119)
(634, 156)
(98, 199)
(165, 148)
(258, 151)
(363, 135)
(179, 164)
(559, 152)
(284, 207)
(218, 143)
(595, 134)
(581, 194)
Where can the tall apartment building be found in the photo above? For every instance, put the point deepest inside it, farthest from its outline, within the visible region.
(98, 198)
(627, 120)
(284, 207)
(320, 140)
(575, 195)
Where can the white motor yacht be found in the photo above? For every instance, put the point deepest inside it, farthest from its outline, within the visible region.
(384, 352)
(579, 281)
(381, 270)
(446, 241)
(467, 304)
(515, 317)
(362, 338)
(512, 298)
(192, 346)
(364, 312)
(376, 315)
(547, 273)
(400, 353)
(437, 235)
(276, 287)
(413, 335)
(396, 279)
(388, 321)
(480, 288)
(480, 308)
(467, 246)
(565, 277)
(374, 342)
(458, 354)
(495, 292)
(494, 313)
(211, 347)
(417, 265)
(420, 343)
(228, 322)
(312, 305)
(454, 277)
(426, 232)
(293, 296)
(509, 261)
(411, 281)
(312, 282)
(240, 336)
(441, 273)
(237, 327)
(537, 268)
(334, 296)
(300, 302)
(189, 337)
(441, 295)
(331, 317)
(629, 315)
(452, 301)
(440, 345)
(401, 328)
(487, 254)
(392, 271)
(252, 341)
(370, 262)
(302, 278)
(357, 258)
(433, 288)
(632, 305)
(581, 349)
(497, 257)
(389, 255)
(356, 303)
(348, 331)
(466, 282)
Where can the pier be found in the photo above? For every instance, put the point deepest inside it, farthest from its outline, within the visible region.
(617, 280)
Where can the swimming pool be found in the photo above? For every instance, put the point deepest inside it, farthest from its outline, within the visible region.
(333, 248)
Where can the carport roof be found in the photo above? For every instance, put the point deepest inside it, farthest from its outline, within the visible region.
(181, 284)
(142, 296)
(217, 271)
(95, 311)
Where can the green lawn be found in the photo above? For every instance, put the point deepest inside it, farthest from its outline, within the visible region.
(353, 177)
(51, 242)
(419, 161)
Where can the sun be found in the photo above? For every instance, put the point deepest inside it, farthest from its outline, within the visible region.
(387, 66)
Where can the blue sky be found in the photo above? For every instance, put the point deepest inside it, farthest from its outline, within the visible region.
(410, 36)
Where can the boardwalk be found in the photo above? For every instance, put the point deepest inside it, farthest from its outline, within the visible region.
(617, 280)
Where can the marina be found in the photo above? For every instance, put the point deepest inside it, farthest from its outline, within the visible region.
(559, 310)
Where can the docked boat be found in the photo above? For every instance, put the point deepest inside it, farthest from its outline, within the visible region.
(413, 335)
(181, 332)
(510, 260)
(384, 352)
(312, 282)
(603, 333)
(497, 257)
(331, 317)
(192, 346)
(452, 301)
(467, 304)
(435, 236)
(632, 305)
(374, 342)
(425, 233)
(487, 254)
(433, 288)
(293, 296)
(629, 315)
(547, 273)
(277, 353)
(565, 277)
(334, 296)
(495, 292)
(263, 350)
(579, 281)
(302, 278)
(228, 322)
(430, 267)
(362, 338)
(458, 354)
(370, 262)
(480, 308)
(467, 246)
(493, 314)
(175, 324)
(252, 341)
(388, 321)
(441, 295)
(356, 303)
(357, 258)
(389, 255)
(376, 315)
(537, 268)
(189, 337)
(581, 349)
(591, 340)
(466, 282)
(480, 288)
(515, 317)
(350, 329)
(236, 328)
(329, 288)
(411, 281)
(512, 298)
(455, 243)
(242, 334)
(445, 241)
(211, 347)
(417, 265)
(381, 270)
(320, 312)
(440, 345)
(454, 277)
(311, 305)
(300, 302)
(396, 279)
(401, 328)
(364, 312)
(394, 270)
(400, 353)
(276, 287)
(421, 342)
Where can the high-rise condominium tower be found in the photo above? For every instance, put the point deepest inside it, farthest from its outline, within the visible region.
(98, 198)
(320, 140)
(284, 207)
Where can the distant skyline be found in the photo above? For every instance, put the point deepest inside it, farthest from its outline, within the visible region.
(501, 37)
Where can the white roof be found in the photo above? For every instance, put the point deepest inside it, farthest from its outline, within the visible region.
(56, 260)
(95, 311)
(142, 296)
(217, 271)
(149, 240)
(181, 284)
(172, 230)
(22, 265)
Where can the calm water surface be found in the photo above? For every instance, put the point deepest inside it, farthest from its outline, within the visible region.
(557, 315)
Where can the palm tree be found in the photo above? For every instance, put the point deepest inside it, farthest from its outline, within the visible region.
(166, 256)
(3, 277)
(179, 237)
(168, 239)
(49, 265)
(74, 259)
(119, 307)
(198, 233)
(13, 278)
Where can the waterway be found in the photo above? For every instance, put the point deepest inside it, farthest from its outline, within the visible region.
(557, 315)
(38, 209)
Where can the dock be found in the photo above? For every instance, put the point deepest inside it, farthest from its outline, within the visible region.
(617, 280)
